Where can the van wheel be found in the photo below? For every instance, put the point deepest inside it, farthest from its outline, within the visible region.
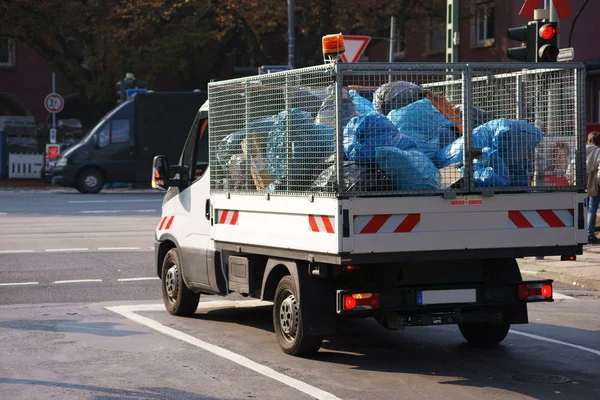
(485, 333)
(287, 321)
(178, 298)
(90, 180)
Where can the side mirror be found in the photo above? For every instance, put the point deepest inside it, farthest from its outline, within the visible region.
(160, 173)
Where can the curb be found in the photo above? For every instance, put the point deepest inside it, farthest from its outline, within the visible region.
(565, 278)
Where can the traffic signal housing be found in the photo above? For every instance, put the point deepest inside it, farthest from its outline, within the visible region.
(129, 82)
(539, 40)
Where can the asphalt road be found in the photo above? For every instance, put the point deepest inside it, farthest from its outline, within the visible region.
(81, 318)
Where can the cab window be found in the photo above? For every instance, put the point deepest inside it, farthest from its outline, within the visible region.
(194, 160)
(119, 131)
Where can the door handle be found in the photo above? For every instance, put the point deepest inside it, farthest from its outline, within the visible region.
(207, 209)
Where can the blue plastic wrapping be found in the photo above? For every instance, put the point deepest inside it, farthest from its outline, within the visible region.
(361, 105)
(327, 112)
(357, 178)
(514, 139)
(393, 95)
(310, 145)
(408, 169)
(362, 136)
(423, 123)
(519, 173)
(490, 170)
(231, 144)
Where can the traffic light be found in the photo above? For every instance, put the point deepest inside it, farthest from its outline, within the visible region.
(547, 41)
(539, 40)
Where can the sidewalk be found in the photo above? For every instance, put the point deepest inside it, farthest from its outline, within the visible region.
(584, 272)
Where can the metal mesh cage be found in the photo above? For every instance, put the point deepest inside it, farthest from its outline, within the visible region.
(371, 129)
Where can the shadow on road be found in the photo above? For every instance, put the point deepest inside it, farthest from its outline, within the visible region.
(105, 393)
(69, 326)
(439, 352)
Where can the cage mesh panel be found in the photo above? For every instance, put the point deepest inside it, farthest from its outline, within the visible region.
(258, 145)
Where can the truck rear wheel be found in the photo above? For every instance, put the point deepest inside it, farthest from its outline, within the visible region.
(287, 321)
(178, 298)
(90, 181)
(484, 334)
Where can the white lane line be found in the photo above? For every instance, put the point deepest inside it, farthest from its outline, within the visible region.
(149, 278)
(15, 251)
(113, 201)
(119, 248)
(560, 296)
(74, 249)
(545, 339)
(115, 211)
(3, 213)
(79, 281)
(128, 312)
(19, 284)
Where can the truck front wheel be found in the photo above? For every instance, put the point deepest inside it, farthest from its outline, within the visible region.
(287, 321)
(178, 298)
(90, 180)
(484, 334)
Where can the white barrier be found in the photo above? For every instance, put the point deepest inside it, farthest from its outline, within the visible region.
(25, 166)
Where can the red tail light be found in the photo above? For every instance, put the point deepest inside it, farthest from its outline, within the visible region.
(361, 301)
(535, 292)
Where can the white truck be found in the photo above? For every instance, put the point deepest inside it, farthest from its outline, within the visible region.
(291, 189)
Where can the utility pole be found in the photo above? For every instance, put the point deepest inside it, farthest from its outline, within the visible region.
(452, 30)
(392, 39)
(291, 35)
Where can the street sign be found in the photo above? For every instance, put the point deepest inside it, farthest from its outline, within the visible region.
(52, 135)
(355, 45)
(566, 54)
(131, 92)
(54, 103)
(52, 153)
(529, 6)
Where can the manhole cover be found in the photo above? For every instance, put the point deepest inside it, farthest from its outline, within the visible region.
(540, 378)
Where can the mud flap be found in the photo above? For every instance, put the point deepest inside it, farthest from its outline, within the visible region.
(317, 303)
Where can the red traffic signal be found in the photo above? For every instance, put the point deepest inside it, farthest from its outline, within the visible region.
(548, 31)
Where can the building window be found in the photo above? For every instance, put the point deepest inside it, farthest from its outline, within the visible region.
(7, 53)
(436, 37)
(485, 24)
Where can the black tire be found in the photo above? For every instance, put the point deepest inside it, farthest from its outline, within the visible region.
(484, 334)
(178, 298)
(287, 321)
(90, 181)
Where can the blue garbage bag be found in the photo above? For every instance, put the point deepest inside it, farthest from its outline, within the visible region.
(408, 169)
(364, 134)
(393, 95)
(423, 123)
(361, 105)
(327, 112)
(519, 173)
(454, 152)
(490, 170)
(514, 139)
(295, 162)
(231, 144)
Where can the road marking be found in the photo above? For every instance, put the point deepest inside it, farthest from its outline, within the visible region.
(19, 284)
(3, 213)
(113, 201)
(74, 249)
(79, 281)
(149, 278)
(545, 339)
(559, 296)
(114, 211)
(119, 248)
(15, 251)
(129, 312)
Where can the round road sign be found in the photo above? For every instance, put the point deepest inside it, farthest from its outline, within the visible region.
(54, 103)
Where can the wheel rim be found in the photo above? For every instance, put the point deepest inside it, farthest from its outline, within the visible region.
(288, 316)
(91, 181)
(171, 283)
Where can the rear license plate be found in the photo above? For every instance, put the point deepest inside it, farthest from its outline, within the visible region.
(453, 296)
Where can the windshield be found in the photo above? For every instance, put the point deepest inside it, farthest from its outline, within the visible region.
(98, 127)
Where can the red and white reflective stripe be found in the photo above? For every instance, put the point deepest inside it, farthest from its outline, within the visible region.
(540, 219)
(386, 223)
(227, 217)
(321, 223)
(166, 222)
